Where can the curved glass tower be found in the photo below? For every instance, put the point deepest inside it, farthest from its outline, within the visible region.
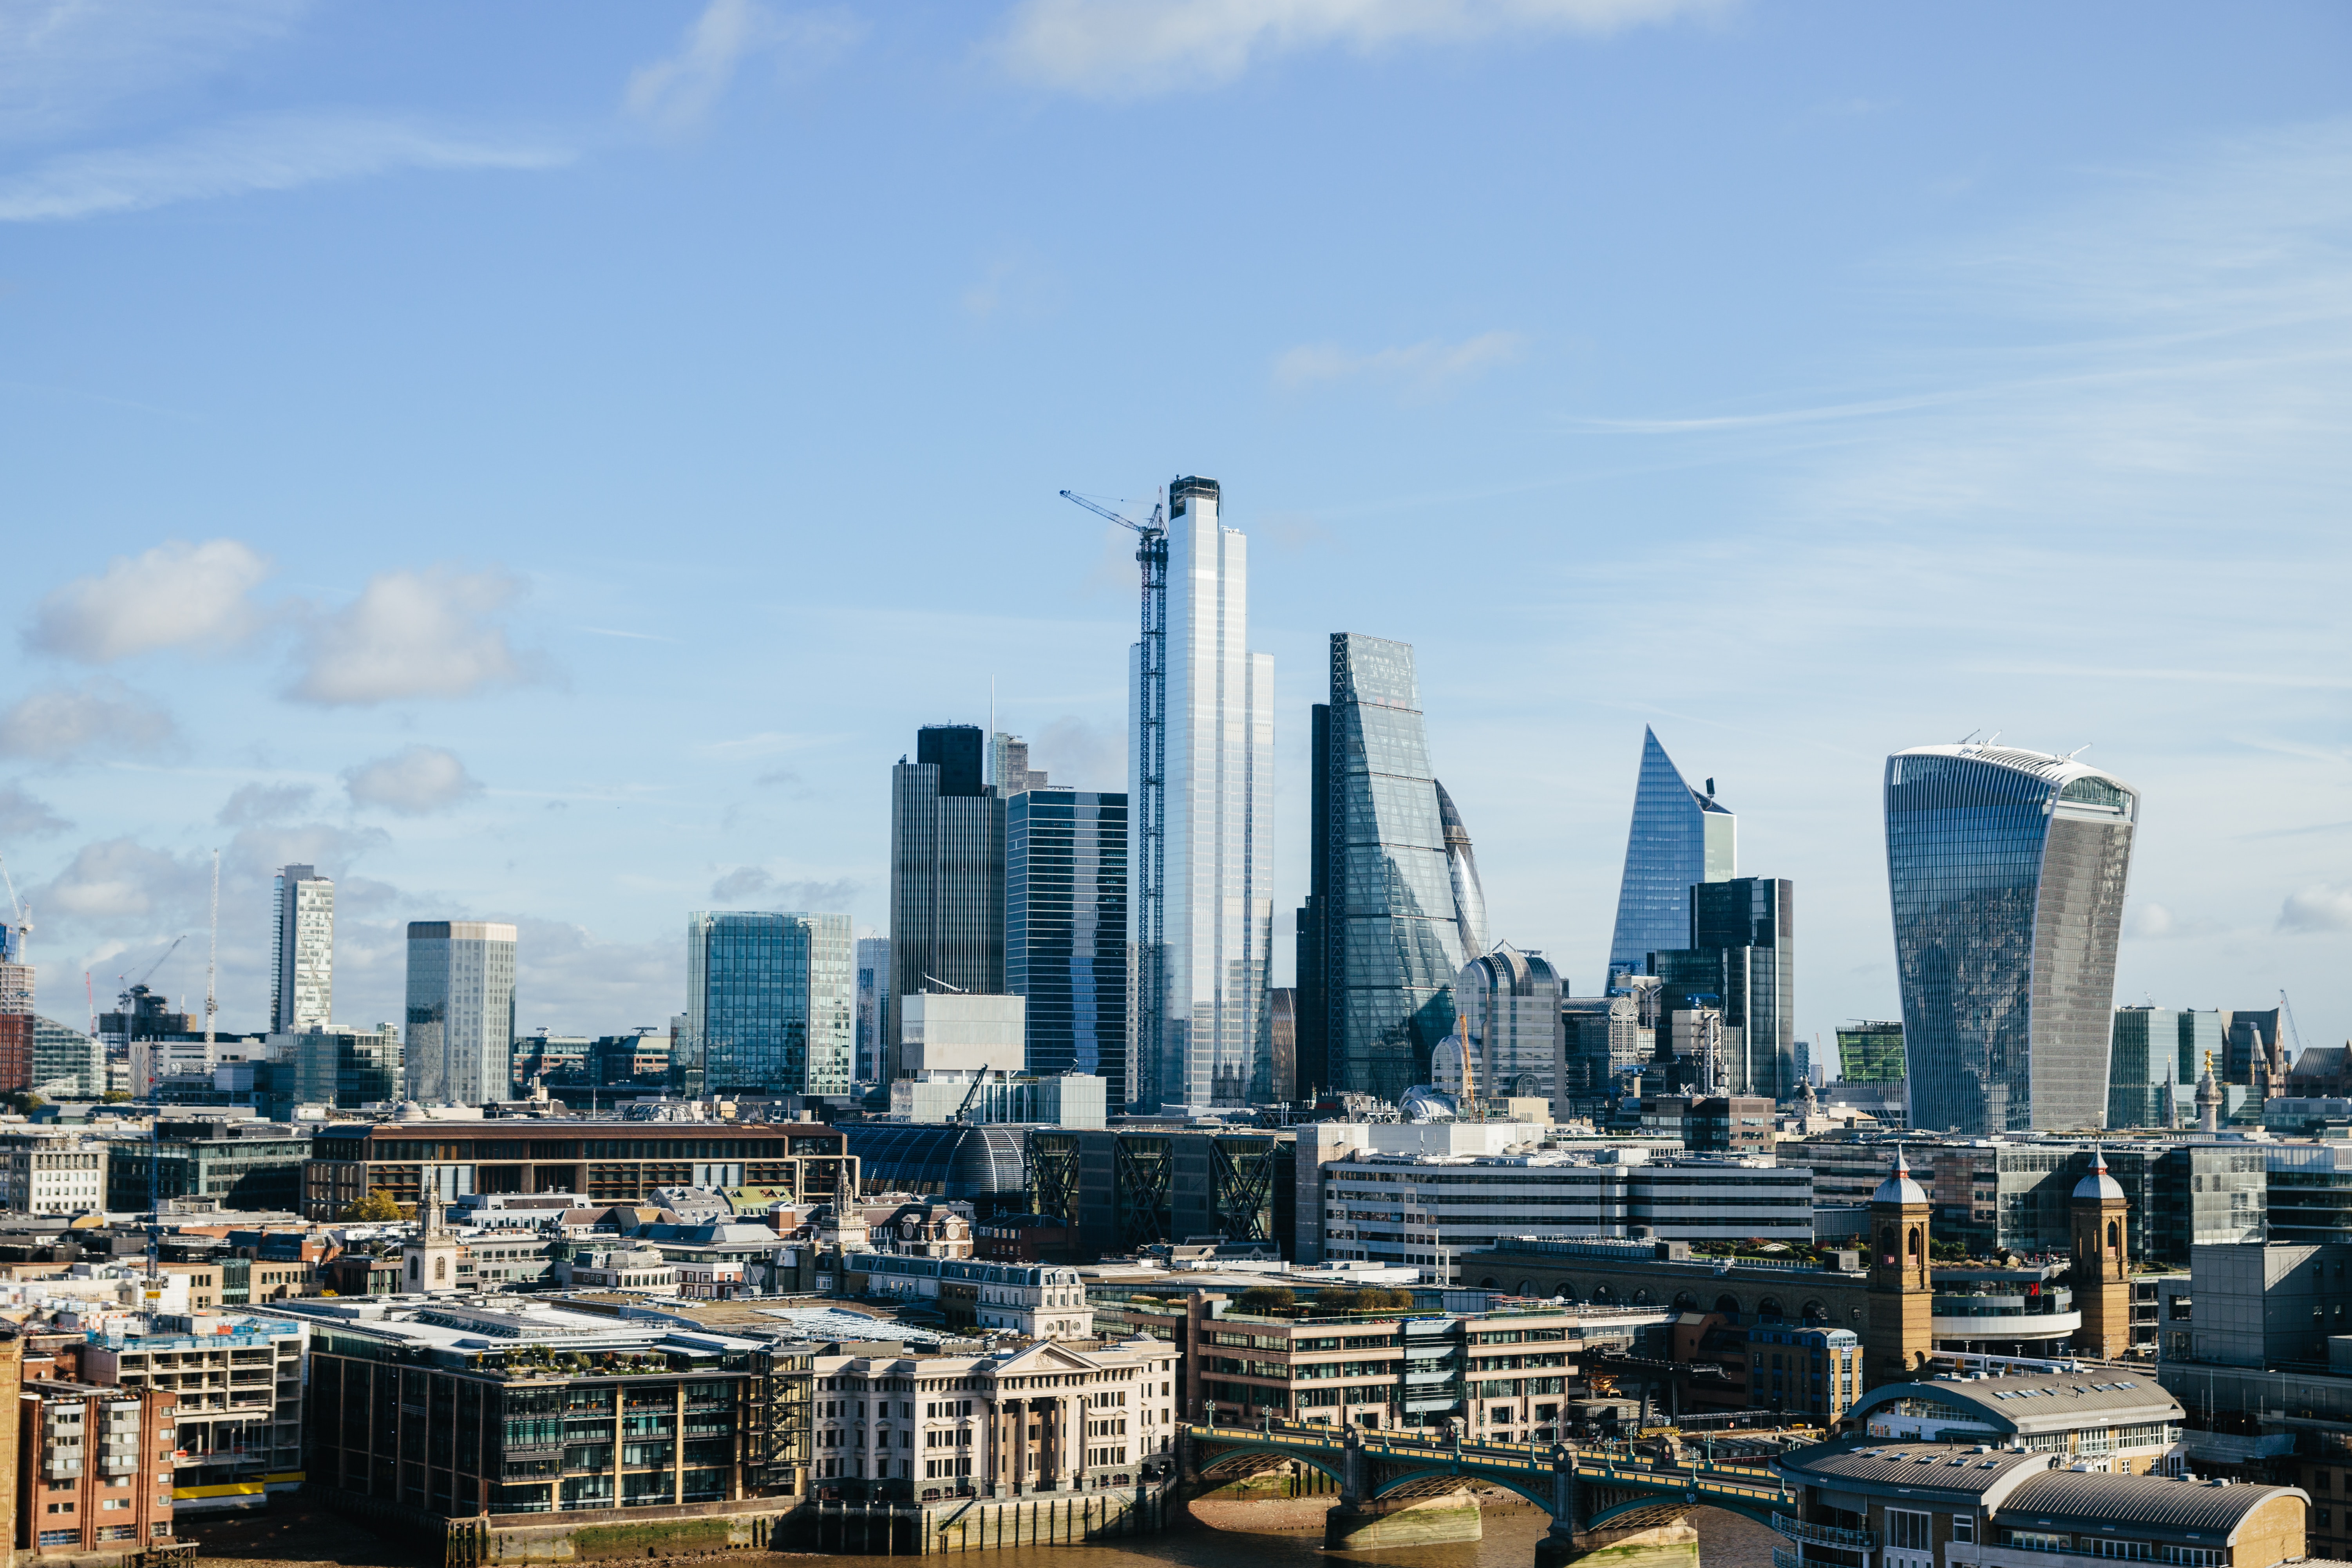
(2007, 871)
(1462, 866)
(1680, 836)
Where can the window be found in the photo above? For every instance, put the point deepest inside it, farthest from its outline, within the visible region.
(1964, 1527)
(1906, 1531)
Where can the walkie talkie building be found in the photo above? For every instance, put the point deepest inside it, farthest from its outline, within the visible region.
(2006, 872)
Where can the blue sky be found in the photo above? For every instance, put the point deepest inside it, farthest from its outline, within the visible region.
(543, 462)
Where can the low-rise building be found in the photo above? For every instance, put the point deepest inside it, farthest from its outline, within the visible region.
(2106, 1420)
(1045, 1301)
(1915, 1505)
(94, 1470)
(251, 1165)
(636, 1269)
(1019, 1418)
(52, 1172)
(239, 1380)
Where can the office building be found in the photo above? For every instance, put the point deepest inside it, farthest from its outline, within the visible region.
(344, 1067)
(1741, 951)
(1009, 772)
(947, 874)
(1462, 870)
(302, 969)
(1388, 937)
(67, 1063)
(1200, 783)
(2253, 1052)
(18, 1027)
(605, 1161)
(597, 1413)
(1871, 1052)
(1286, 1042)
(1065, 898)
(256, 1166)
(1603, 1037)
(2143, 1089)
(2006, 869)
(461, 1012)
(873, 984)
(96, 1471)
(52, 1172)
(769, 1004)
(1510, 1006)
(1679, 837)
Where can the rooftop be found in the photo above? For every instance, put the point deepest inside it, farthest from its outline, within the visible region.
(2037, 1403)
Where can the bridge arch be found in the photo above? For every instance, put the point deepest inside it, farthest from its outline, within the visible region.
(1649, 1510)
(1232, 1458)
(1540, 1495)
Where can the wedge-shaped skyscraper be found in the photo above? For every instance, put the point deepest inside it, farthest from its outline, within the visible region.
(1680, 836)
(2006, 872)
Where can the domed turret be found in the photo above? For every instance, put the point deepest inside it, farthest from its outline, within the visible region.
(2098, 1184)
(1898, 1187)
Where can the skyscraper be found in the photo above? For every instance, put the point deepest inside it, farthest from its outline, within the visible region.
(1680, 836)
(1065, 931)
(770, 1004)
(302, 973)
(2006, 869)
(1462, 870)
(1385, 934)
(1510, 1009)
(17, 1025)
(1200, 777)
(1742, 949)
(461, 1012)
(873, 985)
(2144, 1087)
(947, 874)
(1008, 765)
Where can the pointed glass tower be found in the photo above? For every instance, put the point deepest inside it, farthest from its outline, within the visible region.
(1679, 837)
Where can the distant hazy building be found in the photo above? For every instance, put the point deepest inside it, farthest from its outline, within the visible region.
(2143, 1089)
(1743, 952)
(344, 1067)
(1009, 772)
(1381, 937)
(2253, 1052)
(1679, 837)
(17, 1020)
(67, 1063)
(1508, 1004)
(1065, 928)
(873, 984)
(1285, 1001)
(1871, 1052)
(947, 873)
(2006, 869)
(302, 970)
(461, 1012)
(1201, 898)
(770, 1004)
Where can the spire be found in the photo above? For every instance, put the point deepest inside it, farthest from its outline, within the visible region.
(1898, 1187)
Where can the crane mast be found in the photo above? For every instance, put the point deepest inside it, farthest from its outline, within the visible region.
(1147, 969)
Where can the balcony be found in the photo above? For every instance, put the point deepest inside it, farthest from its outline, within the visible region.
(1796, 1529)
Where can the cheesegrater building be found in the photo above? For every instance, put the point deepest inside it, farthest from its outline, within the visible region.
(2006, 869)
(1680, 836)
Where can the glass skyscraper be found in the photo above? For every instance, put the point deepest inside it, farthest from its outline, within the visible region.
(772, 1003)
(1680, 836)
(1210, 1039)
(1381, 937)
(2143, 1067)
(302, 974)
(1065, 931)
(947, 875)
(2006, 869)
(461, 1012)
(1742, 949)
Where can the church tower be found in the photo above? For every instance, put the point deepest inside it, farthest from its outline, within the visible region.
(432, 1259)
(1900, 1334)
(2100, 1280)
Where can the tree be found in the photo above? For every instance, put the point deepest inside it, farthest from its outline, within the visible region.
(24, 1102)
(1267, 1298)
(379, 1207)
(116, 1096)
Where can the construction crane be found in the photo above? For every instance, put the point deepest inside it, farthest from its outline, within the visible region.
(149, 973)
(1148, 810)
(2287, 1008)
(19, 922)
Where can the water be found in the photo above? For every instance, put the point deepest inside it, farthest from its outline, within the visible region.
(1725, 1541)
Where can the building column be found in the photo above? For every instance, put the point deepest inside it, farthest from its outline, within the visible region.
(1017, 1411)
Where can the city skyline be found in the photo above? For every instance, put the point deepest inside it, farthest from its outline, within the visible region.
(495, 517)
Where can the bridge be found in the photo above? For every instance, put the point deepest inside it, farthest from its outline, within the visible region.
(1593, 1497)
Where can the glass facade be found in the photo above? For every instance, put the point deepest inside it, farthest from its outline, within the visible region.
(1871, 1052)
(1065, 931)
(2143, 1057)
(1212, 1041)
(1679, 837)
(1390, 938)
(873, 984)
(2005, 870)
(461, 1012)
(1743, 952)
(1510, 1007)
(302, 979)
(770, 1004)
(947, 875)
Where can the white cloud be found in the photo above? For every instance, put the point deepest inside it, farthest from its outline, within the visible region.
(256, 805)
(255, 854)
(266, 153)
(677, 95)
(64, 721)
(62, 62)
(1424, 367)
(2320, 907)
(22, 816)
(740, 883)
(174, 595)
(122, 878)
(1078, 756)
(412, 634)
(413, 781)
(1115, 49)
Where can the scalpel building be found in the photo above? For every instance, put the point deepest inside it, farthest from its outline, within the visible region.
(2006, 872)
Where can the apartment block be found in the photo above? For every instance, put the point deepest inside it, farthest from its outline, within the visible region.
(94, 1470)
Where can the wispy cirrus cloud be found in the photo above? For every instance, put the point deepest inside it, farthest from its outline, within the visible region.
(262, 153)
(674, 95)
(1426, 368)
(1123, 48)
(63, 63)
